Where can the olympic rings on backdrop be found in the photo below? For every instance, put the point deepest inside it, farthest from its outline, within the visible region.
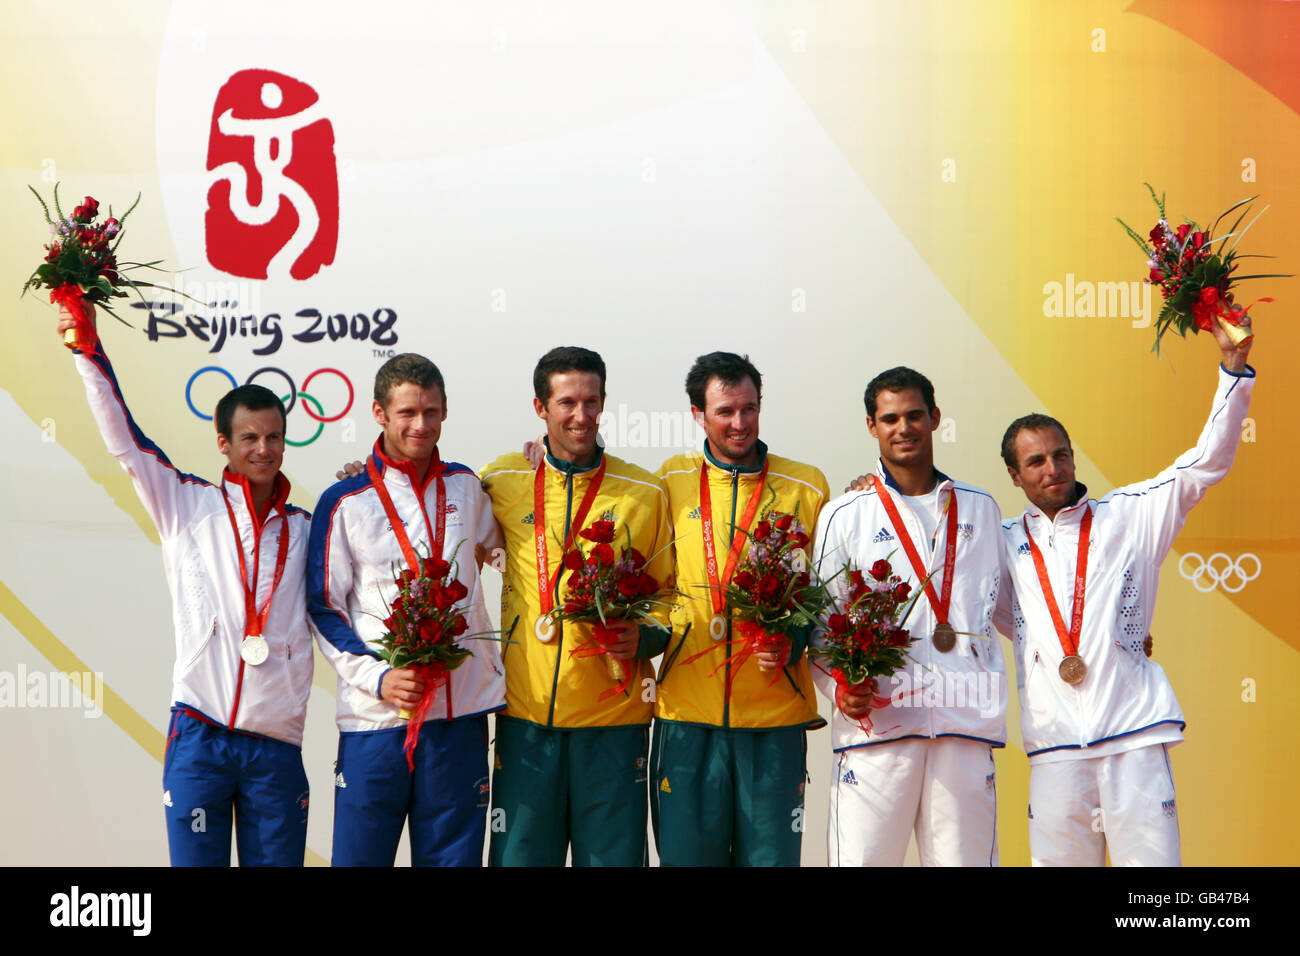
(320, 422)
(1206, 570)
(190, 385)
(311, 406)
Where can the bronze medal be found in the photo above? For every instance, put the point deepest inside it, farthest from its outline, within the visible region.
(1073, 670)
(945, 638)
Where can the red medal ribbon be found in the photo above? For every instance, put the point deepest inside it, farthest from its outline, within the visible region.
(399, 528)
(254, 620)
(943, 601)
(737, 540)
(1069, 640)
(539, 529)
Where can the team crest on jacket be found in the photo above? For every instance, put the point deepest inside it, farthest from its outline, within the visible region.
(882, 535)
(639, 767)
(1168, 808)
(965, 532)
(481, 791)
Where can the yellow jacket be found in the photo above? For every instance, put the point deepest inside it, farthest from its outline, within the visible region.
(686, 691)
(544, 684)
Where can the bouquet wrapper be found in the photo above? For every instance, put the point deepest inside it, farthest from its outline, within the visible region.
(433, 676)
(81, 336)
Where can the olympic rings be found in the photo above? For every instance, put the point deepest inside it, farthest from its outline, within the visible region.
(306, 383)
(293, 389)
(320, 422)
(190, 384)
(311, 406)
(1206, 570)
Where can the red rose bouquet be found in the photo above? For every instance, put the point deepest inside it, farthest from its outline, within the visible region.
(866, 640)
(1195, 279)
(81, 265)
(773, 595)
(605, 587)
(423, 624)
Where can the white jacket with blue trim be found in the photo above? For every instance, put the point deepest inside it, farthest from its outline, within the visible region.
(203, 576)
(351, 584)
(961, 693)
(1125, 700)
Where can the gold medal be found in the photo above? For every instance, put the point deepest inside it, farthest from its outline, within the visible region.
(945, 638)
(1073, 670)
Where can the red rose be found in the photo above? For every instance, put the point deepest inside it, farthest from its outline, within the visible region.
(1183, 230)
(443, 598)
(458, 590)
(1210, 295)
(762, 530)
(769, 587)
(1201, 315)
(1198, 239)
(603, 554)
(459, 626)
(856, 580)
(573, 560)
(1157, 235)
(1156, 277)
(783, 523)
(636, 557)
(435, 568)
(838, 623)
(601, 532)
(902, 590)
(629, 585)
(897, 637)
(745, 580)
(430, 633)
(648, 584)
(799, 540)
(881, 570)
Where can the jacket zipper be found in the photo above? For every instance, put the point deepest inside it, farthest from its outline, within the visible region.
(555, 591)
(726, 684)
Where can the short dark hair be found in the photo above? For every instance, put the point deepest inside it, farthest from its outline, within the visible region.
(896, 380)
(1027, 422)
(253, 397)
(727, 367)
(565, 358)
(407, 368)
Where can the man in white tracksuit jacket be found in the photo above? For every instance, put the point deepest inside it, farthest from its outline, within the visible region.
(923, 760)
(1097, 732)
(242, 675)
(350, 581)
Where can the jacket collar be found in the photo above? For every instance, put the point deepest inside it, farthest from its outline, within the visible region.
(407, 468)
(568, 468)
(237, 490)
(737, 469)
(1070, 515)
(940, 478)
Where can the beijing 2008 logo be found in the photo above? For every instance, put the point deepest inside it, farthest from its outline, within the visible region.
(273, 198)
(310, 405)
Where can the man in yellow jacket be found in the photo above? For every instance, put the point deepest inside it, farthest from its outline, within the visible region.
(571, 749)
(729, 740)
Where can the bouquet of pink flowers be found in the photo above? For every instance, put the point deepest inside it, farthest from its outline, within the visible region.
(1196, 279)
